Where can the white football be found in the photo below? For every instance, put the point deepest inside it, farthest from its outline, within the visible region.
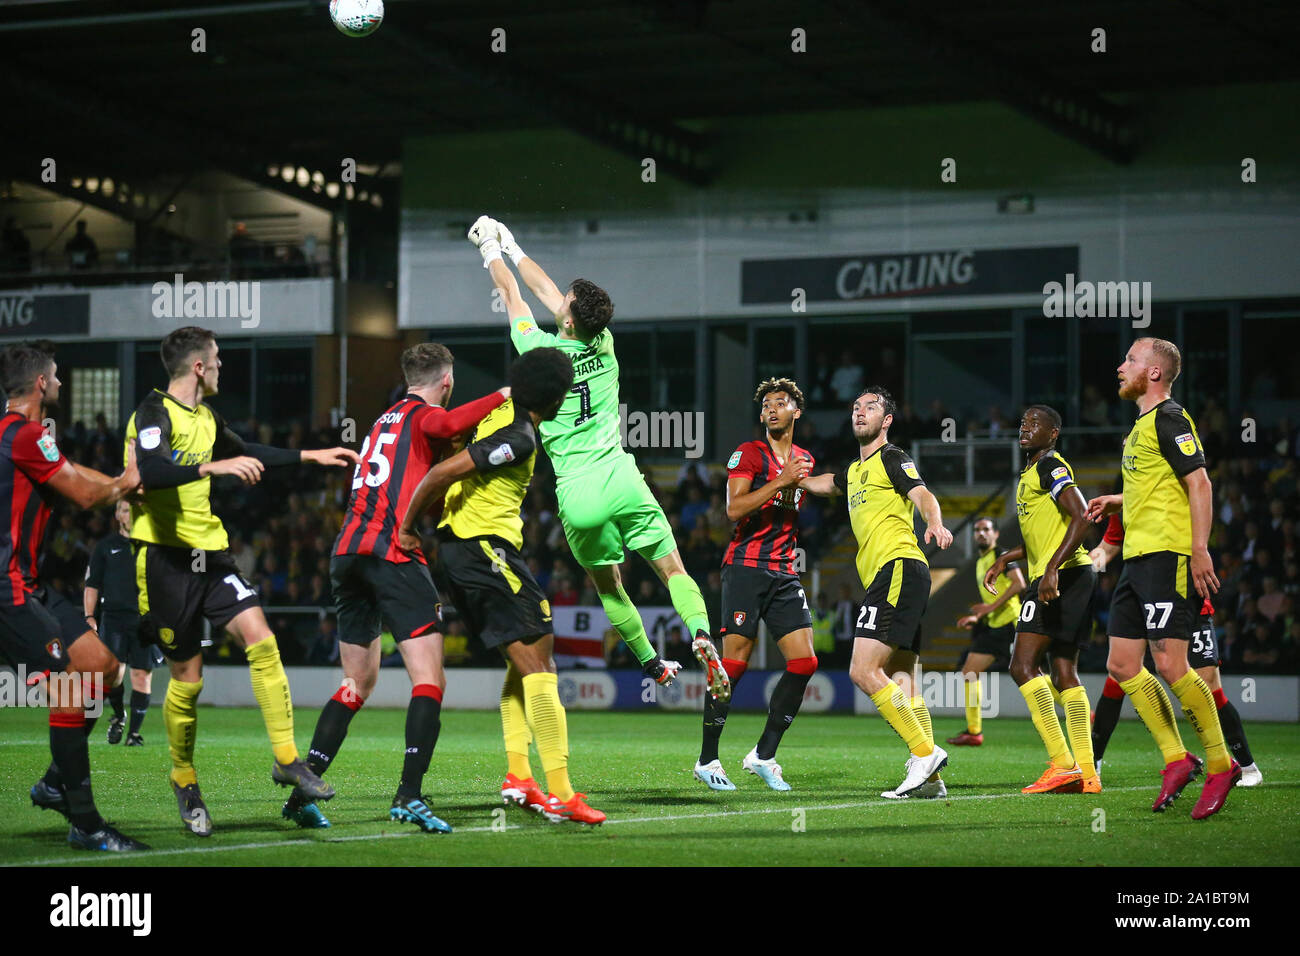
(357, 18)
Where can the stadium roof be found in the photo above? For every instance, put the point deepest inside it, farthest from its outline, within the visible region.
(116, 82)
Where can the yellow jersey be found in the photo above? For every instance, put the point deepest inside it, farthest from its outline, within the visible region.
(1162, 448)
(880, 512)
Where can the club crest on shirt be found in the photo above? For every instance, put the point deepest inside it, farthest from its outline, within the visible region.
(739, 618)
(48, 448)
(909, 469)
(734, 460)
(1186, 444)
(55, 649)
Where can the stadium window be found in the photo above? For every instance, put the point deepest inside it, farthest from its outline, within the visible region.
(94, 392)
(1269, 362)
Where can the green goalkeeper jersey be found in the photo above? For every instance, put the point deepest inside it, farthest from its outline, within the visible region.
(585, 433)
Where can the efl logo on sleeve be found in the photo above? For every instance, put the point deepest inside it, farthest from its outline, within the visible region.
(734, 460)
(501, 455)
(48, 448)
(1186, 444)
(1059, 473)
(909, 469)
(525, 327)
(151, 438)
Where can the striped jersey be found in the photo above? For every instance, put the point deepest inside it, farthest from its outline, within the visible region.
(403, 444)
(28, 459)
(765, 538)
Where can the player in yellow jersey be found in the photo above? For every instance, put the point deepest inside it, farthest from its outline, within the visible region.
(479, 541)
(992, 623)
(184, 572)
(1167, 504)
(884, 491)
(1056, 613)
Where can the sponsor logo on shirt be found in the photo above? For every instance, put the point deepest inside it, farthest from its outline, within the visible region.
(151, 438)
(501, 455)
(734, 460)
(1186, 444)
(48, 448)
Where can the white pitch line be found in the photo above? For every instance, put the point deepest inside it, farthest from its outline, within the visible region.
(150, 854)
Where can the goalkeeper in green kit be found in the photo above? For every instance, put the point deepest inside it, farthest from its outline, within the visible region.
(604, 502)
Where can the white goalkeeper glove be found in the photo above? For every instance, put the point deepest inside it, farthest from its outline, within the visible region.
(508, 245)
(482, 229)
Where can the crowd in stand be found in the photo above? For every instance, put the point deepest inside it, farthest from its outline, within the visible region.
(282, 531)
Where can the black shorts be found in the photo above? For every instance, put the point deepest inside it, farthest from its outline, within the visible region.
(992, 640)
(120, 632)
(370, 591)
(749, 594)
(1155, 599)
(1203, 648)
(489, 582)
(894, 604)
(38, 632)
(1068, 619)
(175, 597)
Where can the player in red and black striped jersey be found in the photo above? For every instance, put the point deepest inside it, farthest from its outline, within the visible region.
(39, 629)
(759, 580)
(376, 582)
(1202, 655)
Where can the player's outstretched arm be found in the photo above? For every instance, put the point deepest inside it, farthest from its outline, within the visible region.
(431, 488)
(538, 282)
(1105, 505)
(821, 485)
(87, 488)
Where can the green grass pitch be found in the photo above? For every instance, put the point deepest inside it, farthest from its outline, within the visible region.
(637, 768)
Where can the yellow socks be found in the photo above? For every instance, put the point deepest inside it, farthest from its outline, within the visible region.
(974, 719)
(271, 688)
(180, 716)
(1152, 705)
(546, 715)
(898, 713)
(514, 724)
(923, 718)
(1038, 695)
(1198, 704)
(1078, 724)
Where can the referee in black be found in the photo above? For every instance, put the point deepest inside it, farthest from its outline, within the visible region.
(111, 576)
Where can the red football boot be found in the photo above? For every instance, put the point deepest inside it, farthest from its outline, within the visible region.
(1177, 775)
(1215, 792)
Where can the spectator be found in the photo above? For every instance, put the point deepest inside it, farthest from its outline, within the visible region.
(15, 249)
(81, 250)
(563, 593)
(820, 393)
(719, 524)
(848, 380)
(324, 647)
(694, 507)
(1271, 598)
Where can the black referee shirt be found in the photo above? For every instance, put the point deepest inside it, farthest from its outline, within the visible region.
(112, 571)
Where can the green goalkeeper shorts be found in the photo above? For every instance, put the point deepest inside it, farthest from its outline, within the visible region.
(608, 510)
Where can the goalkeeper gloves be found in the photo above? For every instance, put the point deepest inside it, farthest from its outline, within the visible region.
(508, 245)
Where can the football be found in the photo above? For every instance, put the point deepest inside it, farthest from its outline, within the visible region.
(357, 18)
